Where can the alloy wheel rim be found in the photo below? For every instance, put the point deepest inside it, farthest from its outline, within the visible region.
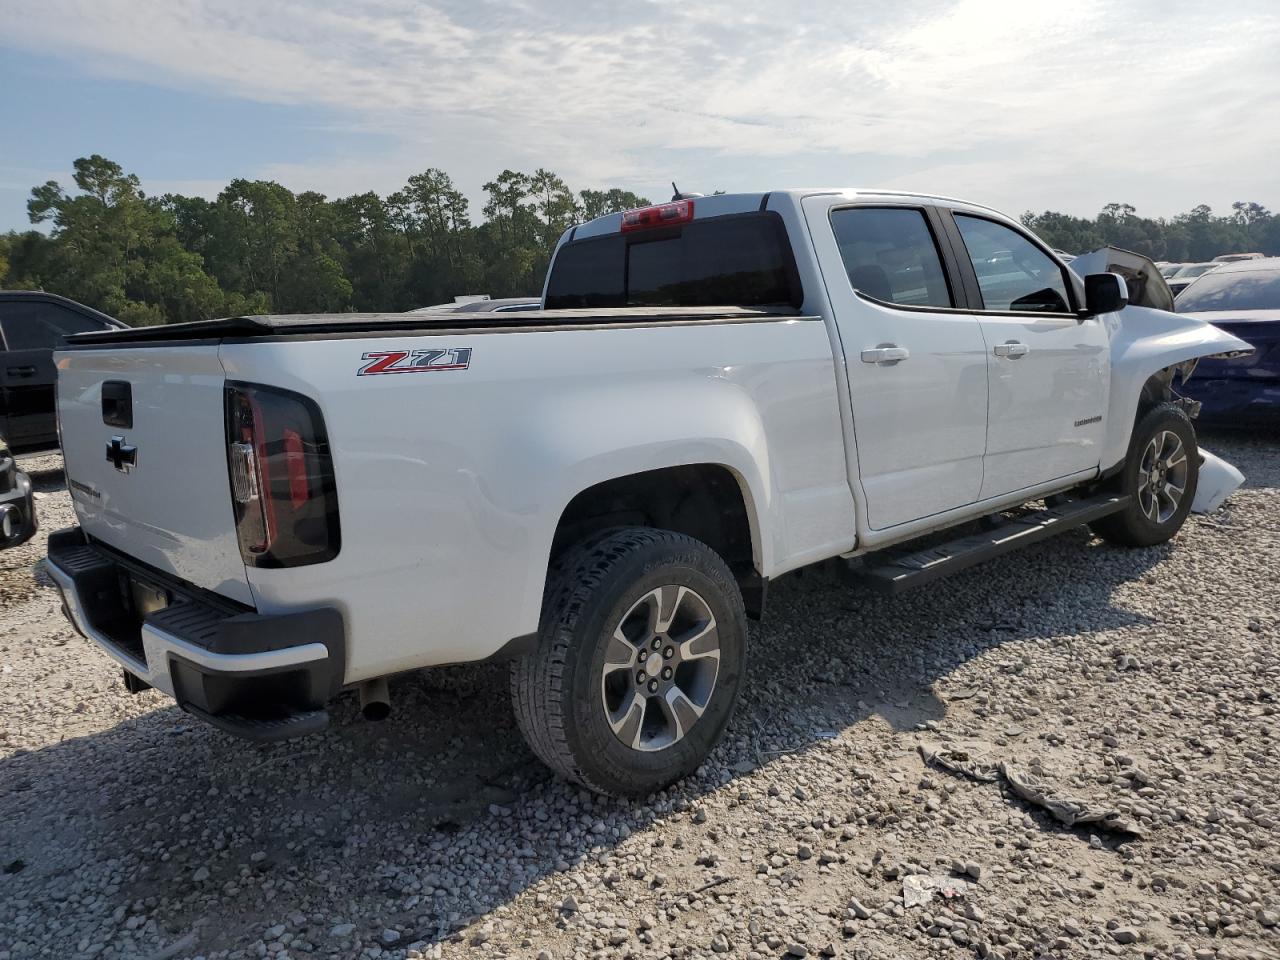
(1162, 477)
(660, 668)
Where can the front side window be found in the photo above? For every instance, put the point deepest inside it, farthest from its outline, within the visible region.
(890, 255)
(1013, 273)
(32, 325)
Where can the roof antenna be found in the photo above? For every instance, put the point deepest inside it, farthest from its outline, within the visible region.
(677, 195)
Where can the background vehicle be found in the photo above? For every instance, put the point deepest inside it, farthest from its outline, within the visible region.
(32, 325)
(1187, 273)
(17, 506)
(1242, 298)
(1236, 257)
(722, 390)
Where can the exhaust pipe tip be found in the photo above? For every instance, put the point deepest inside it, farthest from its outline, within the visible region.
(375, 699)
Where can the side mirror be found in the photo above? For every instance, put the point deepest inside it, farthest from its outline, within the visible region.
(1104, 293)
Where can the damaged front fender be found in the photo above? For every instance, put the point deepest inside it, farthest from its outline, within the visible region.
(1147, 343)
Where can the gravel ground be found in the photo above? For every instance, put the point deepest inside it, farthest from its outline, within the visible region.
(1144, 681)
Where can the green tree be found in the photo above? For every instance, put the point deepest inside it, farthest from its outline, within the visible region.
(597, 203)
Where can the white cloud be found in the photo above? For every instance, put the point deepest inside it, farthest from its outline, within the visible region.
(1014, 102)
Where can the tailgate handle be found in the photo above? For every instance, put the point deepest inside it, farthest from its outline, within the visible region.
(21, 371)
(117, 404)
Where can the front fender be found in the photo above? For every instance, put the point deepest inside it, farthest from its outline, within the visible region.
(1145, 341)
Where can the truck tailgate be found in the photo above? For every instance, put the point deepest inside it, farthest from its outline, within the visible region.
(146, 458)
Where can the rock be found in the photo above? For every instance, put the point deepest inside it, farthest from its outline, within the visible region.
(1124, 935)
(389, 936)
(201, 874)
(797, 949)
(859, 911)
(570, 904)
(1268, 918)
(720, 944)
(341, 930)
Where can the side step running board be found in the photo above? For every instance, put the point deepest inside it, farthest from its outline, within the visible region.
(925, 566)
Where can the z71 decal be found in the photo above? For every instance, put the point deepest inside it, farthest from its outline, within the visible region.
(415, 361)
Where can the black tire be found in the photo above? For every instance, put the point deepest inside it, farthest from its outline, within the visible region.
(561, 691)
(1133, 526)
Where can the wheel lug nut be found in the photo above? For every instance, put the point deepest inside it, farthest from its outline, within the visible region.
(644, 655)
(640, 677)
(657, 643)
(653, 686)
(669, 652)
(666, 673)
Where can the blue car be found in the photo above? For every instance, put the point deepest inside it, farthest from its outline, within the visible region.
(1243, 299)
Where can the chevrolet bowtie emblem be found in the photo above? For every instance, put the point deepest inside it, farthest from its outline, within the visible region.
(123, 456)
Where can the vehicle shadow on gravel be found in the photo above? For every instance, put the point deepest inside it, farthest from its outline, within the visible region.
(441, 814)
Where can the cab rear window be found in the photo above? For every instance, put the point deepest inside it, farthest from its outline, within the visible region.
(743, 260)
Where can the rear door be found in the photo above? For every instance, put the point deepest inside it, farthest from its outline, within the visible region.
(1050, 371)
(145, 446)
(916, 363)
(32, 329)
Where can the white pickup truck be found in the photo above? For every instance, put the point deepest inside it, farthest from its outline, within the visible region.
(719, 390)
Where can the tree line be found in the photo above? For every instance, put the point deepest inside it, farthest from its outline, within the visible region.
(1189, 237)
(260, 248)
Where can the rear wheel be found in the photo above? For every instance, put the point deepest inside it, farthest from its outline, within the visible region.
(639, 661)
(1159, 476)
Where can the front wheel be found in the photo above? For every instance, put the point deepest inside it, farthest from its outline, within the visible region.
(639, 661)
(1159, 476)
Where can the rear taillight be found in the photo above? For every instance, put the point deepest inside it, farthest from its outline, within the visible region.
(663, 215)
(282, 487)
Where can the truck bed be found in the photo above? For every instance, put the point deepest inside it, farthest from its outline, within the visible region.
(314, 326)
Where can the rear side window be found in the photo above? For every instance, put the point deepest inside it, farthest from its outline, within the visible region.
(890, 255)
(1013, 273)
(733, 261)
(33, 325)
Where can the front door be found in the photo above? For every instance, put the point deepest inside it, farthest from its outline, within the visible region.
(1050, 371)
(916, 365)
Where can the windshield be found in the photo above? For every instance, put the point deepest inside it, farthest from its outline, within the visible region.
(1195, 269)
(1237, 290)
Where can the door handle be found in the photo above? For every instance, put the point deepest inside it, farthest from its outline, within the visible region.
(885, 353)
(21, 371)
(1011, 349)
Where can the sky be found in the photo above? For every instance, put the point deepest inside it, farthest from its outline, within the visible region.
(1018, 104)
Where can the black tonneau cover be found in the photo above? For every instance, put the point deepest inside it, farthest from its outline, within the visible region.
(305, 326)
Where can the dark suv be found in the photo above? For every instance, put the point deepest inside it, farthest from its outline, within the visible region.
(17, 505)
(32, 325)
